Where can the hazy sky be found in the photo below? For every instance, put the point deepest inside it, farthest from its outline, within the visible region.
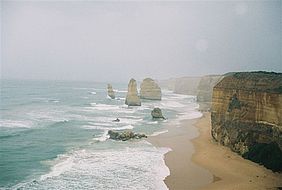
(114, 41)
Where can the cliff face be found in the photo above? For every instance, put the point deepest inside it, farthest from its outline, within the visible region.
(204, 90)
(246, 113)
(150, 90)
(183, 85)
(132, 98)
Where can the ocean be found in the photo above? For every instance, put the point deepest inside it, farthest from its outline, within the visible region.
(53, 135)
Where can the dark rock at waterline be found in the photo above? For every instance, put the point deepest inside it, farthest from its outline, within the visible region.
(246, 116)
(157, 113)
(268, 155)
(116, 120)
(125, 135)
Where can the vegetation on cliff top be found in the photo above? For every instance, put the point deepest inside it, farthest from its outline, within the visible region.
(260, 81)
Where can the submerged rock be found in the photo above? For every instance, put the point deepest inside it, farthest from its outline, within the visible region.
(157, 113)
(125, 135)
(150, 90)
(116, 120)
(111, 92)
(132, 98)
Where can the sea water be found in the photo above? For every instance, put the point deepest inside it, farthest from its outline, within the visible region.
(53, 135)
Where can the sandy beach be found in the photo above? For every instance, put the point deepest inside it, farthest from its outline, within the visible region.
(213, 166)
(184, 174)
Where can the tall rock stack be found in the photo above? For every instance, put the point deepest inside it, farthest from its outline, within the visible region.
(132, 98)
(150, 90)
(111, 92)
(246, 116)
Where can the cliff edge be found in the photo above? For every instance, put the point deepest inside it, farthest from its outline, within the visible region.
(246, 116)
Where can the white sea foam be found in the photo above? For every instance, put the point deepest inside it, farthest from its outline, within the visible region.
(159, 132)
(63, 164)
(190, 115)
(54, 100)
(124, 169)
(172, 104)
(16, 123)
(48, 115)
(94, 93)
(100, 127)
(103, 137)
(123, 91)
(103, 107)
(152, 122)
(93, 104)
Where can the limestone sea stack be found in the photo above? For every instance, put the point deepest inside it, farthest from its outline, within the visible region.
(132, 98)
(111, 92)
(246, 115)
(150, 90)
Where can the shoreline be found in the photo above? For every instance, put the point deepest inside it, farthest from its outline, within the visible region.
(184, 173)
(230, 170)
(197, 162)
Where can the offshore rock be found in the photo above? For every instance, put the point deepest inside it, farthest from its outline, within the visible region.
(125, 135)
(157, 113)
(111, 92)
(150, 90)
(132, 98)
(246, 116)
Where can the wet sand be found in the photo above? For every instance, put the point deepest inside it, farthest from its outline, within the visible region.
(197, 162)
(184, 174)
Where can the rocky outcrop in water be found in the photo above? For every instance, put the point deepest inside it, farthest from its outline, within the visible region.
(125, 135)
(246, 116)
(111, 92)
(150, 90)
(157, 113)
(132, 98)
(204, 91)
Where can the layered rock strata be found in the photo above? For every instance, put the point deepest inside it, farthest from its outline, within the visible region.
(246, 116)
(132, 98)
(150, 90)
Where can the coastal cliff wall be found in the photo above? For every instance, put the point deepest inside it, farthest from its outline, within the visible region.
(183, 85)
(205, 89)
(197, 86)
(246, 116)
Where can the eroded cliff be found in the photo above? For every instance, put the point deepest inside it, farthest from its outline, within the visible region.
(204, 90)
(183, 85)
(246, 116)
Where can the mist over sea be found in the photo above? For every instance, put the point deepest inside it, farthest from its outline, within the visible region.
(53, 135)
